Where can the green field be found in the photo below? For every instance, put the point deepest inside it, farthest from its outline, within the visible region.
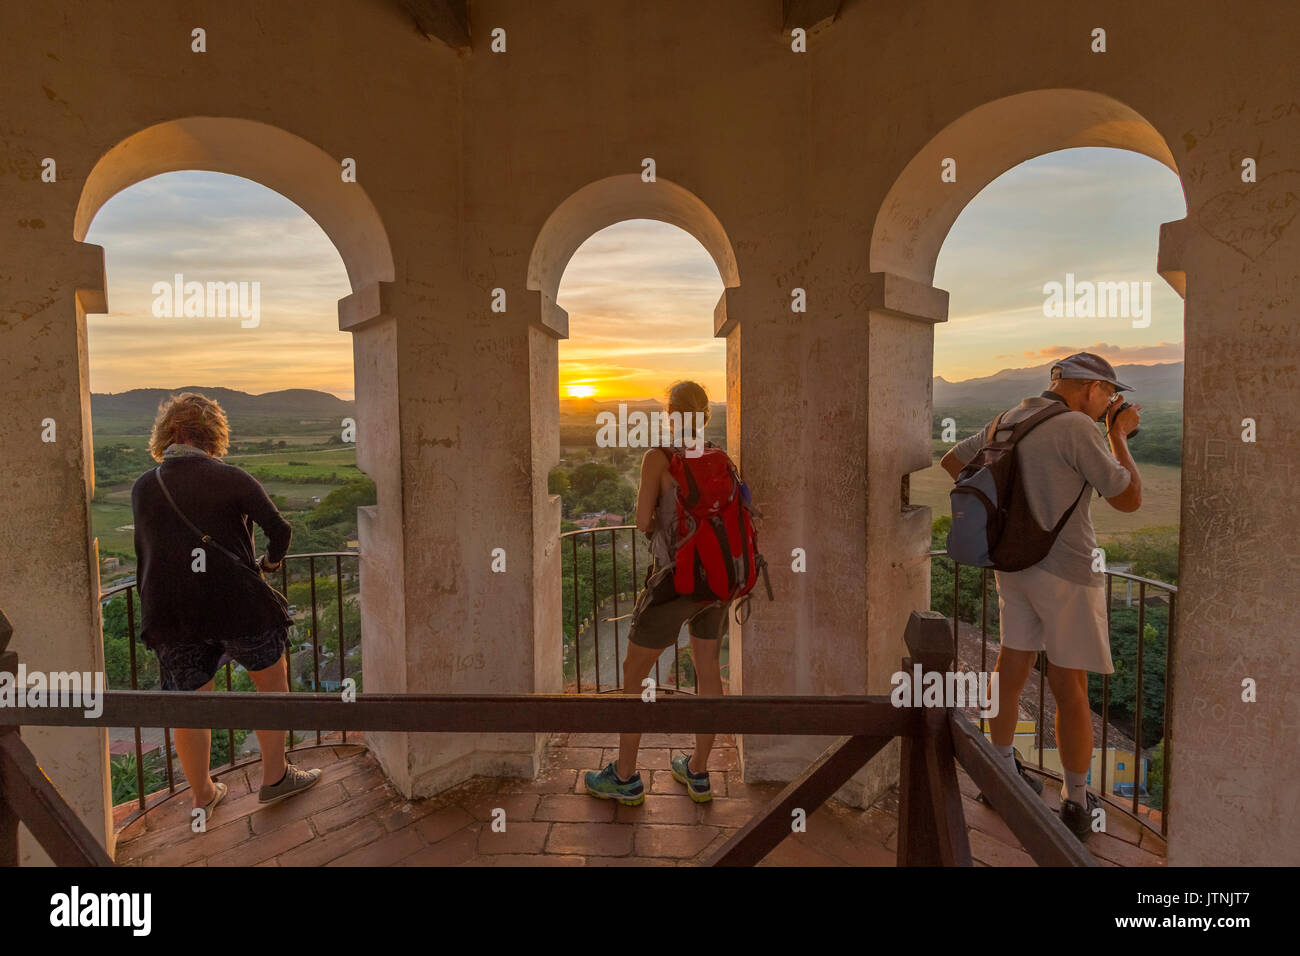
(297, 475)
(106, 518)
(1161, 491)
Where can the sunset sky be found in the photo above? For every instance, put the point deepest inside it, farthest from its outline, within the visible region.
(640, 294)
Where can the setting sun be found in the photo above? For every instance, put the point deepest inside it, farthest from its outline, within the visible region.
(578, 390)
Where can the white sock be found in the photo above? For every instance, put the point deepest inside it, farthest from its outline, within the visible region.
(1007, 753)
(1075, 788)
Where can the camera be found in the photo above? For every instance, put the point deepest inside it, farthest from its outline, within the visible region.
(1109, 418)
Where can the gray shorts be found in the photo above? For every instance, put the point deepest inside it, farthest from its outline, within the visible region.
(660, 612)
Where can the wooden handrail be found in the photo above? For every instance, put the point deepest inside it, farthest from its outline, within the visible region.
(486, 713)
(32, 798)
(932, 827)
(1039, 830)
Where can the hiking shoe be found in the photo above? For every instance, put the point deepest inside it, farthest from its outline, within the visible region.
(1079, 819)
(1033, 782)
(294, 781)
(697, 784)
(607, 786)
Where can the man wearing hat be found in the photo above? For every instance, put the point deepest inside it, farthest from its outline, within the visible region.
(1059, 604)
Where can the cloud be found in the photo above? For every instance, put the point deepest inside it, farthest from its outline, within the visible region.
(1134, 354)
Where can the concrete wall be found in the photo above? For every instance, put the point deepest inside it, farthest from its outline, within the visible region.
(804, 162)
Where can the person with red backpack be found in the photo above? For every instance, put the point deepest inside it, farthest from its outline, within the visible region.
(1021, 506)
(697, 514)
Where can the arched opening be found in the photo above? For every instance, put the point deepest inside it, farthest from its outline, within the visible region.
(1005, 251)
(639, 295)
(562, 656)
(308, 448)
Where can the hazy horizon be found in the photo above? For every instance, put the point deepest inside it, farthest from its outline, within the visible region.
(568, 398)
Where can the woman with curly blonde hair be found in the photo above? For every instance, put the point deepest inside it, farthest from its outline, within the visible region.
(203, 598)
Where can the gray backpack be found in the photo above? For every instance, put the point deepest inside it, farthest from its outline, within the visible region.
(991, 523)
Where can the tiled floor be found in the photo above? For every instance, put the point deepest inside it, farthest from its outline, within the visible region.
(353, 817)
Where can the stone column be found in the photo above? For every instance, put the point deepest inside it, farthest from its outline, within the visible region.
(50, 587)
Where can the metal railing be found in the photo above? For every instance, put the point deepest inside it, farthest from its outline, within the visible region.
(129, 590)
(607, 592)
(1143, 584)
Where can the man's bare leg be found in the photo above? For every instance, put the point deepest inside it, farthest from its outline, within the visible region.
(636, 667)
(1013, 669)
(1073, 718)
(708, 683)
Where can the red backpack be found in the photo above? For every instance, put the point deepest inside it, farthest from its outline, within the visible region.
(717, 555)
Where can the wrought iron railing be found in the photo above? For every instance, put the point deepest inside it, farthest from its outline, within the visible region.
(127, 589)
(614, 592)
(1131, 807)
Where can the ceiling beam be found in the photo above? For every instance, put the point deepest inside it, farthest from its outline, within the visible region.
(808, 13)
(445, 20)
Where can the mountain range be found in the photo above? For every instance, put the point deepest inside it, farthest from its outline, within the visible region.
(137, 407)
(1151, 383)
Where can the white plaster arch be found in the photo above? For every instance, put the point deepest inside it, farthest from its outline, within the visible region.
(298, 170)
(919, 209)
(308, 176)
(617, 199)
(583, 213)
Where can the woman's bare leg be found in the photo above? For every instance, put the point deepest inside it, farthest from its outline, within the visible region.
(272, 680)
(708, 681)
(636, 666)
(194, 747)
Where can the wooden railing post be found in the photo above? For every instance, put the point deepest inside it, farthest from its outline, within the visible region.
(8, 816)
(923, 798)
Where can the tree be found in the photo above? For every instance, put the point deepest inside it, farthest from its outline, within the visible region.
(970, 602)
(341, 504)
(1156, 776)
(1152, 551)
(557, 482)
(585, 478)
(1123, 683)
(117, 649)
(611, 495)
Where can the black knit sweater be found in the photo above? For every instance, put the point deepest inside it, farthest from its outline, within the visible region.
(181, 605)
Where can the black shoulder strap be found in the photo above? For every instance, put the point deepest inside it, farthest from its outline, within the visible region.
(1066, 517)
(206, 539)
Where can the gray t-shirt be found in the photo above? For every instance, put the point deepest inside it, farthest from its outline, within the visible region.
(1054, 460)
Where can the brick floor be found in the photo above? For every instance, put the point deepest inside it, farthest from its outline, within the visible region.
(355, 817)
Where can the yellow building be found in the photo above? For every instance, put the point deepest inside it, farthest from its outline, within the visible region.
(1120, 762)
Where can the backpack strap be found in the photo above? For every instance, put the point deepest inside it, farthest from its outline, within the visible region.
(1021, 429)
(994, 427)
(1066, 517)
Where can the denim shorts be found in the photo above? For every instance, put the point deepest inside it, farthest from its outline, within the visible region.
(190, 666)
